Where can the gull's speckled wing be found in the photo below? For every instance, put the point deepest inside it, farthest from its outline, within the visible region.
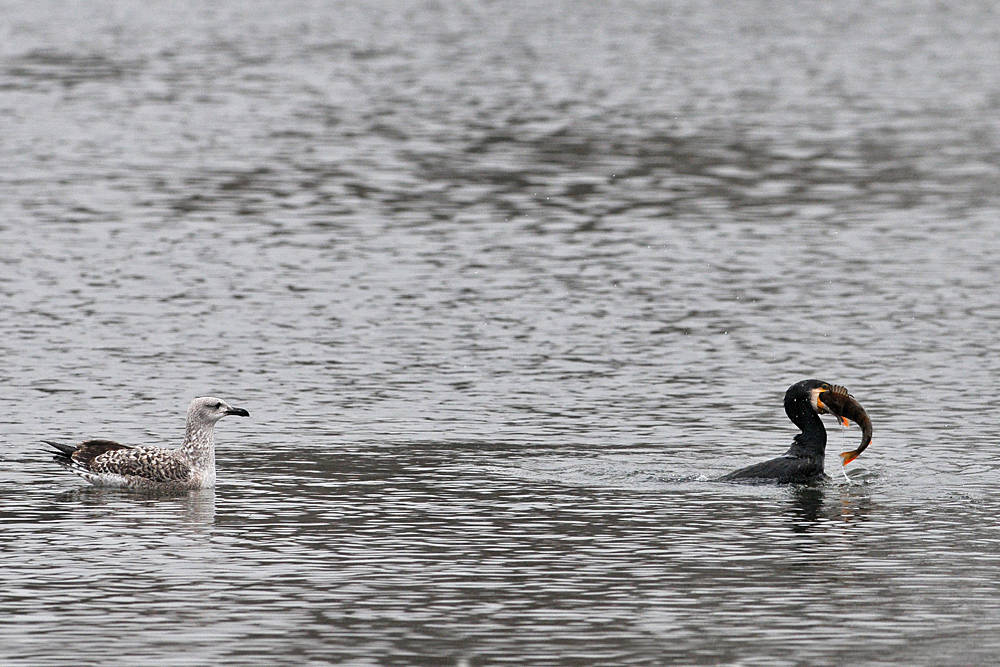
(152, 463)
(88, 450)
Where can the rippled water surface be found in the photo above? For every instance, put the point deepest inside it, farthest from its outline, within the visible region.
(504, 286)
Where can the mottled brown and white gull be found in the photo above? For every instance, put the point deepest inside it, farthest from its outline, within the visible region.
(191, 466)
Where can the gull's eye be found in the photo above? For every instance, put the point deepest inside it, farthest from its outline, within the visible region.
(217, 406)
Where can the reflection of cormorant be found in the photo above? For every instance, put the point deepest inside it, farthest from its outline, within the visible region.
(805, 507)
(803, 462)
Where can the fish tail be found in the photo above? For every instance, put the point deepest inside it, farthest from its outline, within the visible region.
(847, 457)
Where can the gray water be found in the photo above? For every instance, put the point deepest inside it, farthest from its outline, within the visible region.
(503, 286)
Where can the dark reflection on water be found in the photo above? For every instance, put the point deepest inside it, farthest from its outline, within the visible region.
(805, 507)
(505, 286)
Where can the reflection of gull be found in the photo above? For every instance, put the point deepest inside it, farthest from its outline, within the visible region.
(192, 509)
(192, 466)
(199, 507)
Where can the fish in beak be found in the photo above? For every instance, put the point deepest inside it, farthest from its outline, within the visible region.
(844, 407)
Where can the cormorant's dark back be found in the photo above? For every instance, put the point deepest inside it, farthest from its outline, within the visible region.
(805, 401)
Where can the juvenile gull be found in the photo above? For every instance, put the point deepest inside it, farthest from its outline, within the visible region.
(192, 466)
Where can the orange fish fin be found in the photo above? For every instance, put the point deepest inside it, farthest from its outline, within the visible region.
(843, 420)
(847, 457)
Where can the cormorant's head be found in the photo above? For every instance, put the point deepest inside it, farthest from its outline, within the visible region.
(829, 399)
(809, 392)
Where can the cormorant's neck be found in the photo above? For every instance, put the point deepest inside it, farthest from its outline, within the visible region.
(812, 440)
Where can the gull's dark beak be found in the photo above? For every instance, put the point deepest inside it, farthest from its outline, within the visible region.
(239, 412)
(844, 406)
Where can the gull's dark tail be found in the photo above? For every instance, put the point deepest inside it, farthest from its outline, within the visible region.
(82, 454)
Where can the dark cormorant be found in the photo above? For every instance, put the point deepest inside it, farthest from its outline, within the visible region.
(805, 401)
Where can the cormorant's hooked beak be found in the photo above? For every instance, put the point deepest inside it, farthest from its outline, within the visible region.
(843, 406)
(239, 412)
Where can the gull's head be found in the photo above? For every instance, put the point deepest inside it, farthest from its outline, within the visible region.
(208, 410)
